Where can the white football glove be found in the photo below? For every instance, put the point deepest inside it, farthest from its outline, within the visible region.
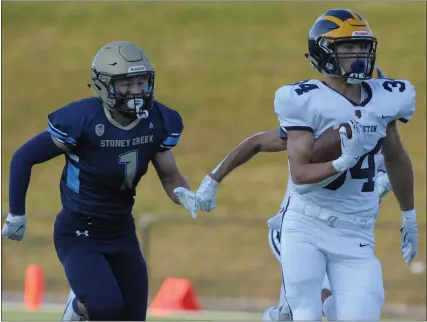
(384, 186)
(14, 227)
(188, 200)
(409, 236)
(206, 193)
(351, 149)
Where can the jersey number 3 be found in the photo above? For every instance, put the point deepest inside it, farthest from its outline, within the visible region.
(130, 160)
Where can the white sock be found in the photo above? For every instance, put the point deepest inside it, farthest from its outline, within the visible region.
(329, 308)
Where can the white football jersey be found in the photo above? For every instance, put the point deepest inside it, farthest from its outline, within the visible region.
(380, 163)
(313, 106)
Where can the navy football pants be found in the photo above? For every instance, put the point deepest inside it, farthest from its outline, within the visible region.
(104, 265)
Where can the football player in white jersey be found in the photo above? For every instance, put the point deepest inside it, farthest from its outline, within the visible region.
(328, 226)
(329, 215)
(275, 141)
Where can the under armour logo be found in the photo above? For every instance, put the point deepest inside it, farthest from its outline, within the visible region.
(82, 233)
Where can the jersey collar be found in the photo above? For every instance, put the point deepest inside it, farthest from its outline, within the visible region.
(365, 101)
(116, 124)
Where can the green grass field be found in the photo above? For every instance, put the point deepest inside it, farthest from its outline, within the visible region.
(55, 315)
(219, 65)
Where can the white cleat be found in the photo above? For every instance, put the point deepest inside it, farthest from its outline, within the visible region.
(276, 313)
(69, 314)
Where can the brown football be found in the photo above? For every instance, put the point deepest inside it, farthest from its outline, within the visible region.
(327, 147)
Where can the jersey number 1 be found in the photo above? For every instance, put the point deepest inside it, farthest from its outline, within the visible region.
(130, 160)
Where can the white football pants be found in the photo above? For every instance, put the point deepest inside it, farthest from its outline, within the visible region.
(316, 240)
(274, 242)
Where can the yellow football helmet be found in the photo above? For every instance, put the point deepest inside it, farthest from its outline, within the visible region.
(339, 26)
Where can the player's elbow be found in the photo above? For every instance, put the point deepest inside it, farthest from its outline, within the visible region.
(298, 180)
(253, 143)
(39, 149)
(299, 177)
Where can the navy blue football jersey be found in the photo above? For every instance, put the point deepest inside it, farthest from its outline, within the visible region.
(104, 160)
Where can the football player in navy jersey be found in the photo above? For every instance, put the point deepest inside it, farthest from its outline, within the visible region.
(108, 142)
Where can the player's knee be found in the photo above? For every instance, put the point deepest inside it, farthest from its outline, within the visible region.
(109, 307)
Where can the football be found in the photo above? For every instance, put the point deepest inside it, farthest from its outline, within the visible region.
(327, 147)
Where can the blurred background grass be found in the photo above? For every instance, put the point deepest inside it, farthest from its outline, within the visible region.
(219, 65)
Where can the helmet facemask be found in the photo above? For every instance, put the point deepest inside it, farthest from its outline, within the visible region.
(122, 99)
(354, 67)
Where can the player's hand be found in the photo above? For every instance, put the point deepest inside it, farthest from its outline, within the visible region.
(384, 186)
(351, 149)
(188, 200)
(14, 227)
(207, 193)
(409, 236)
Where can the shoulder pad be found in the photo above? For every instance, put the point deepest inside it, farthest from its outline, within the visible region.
(291, 105)
(400, 96)
(67, 123)
(172, 124)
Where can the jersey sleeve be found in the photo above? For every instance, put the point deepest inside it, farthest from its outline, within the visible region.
(282, 134)
(66, 126)
(292, 111)
(407, 104)
(173, 128)
(398, 97)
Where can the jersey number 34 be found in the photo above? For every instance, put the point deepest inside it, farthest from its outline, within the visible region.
(357, 172)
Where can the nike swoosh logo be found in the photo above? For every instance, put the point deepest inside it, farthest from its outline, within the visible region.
(384, 117)
(363, 245)
(19, 228)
